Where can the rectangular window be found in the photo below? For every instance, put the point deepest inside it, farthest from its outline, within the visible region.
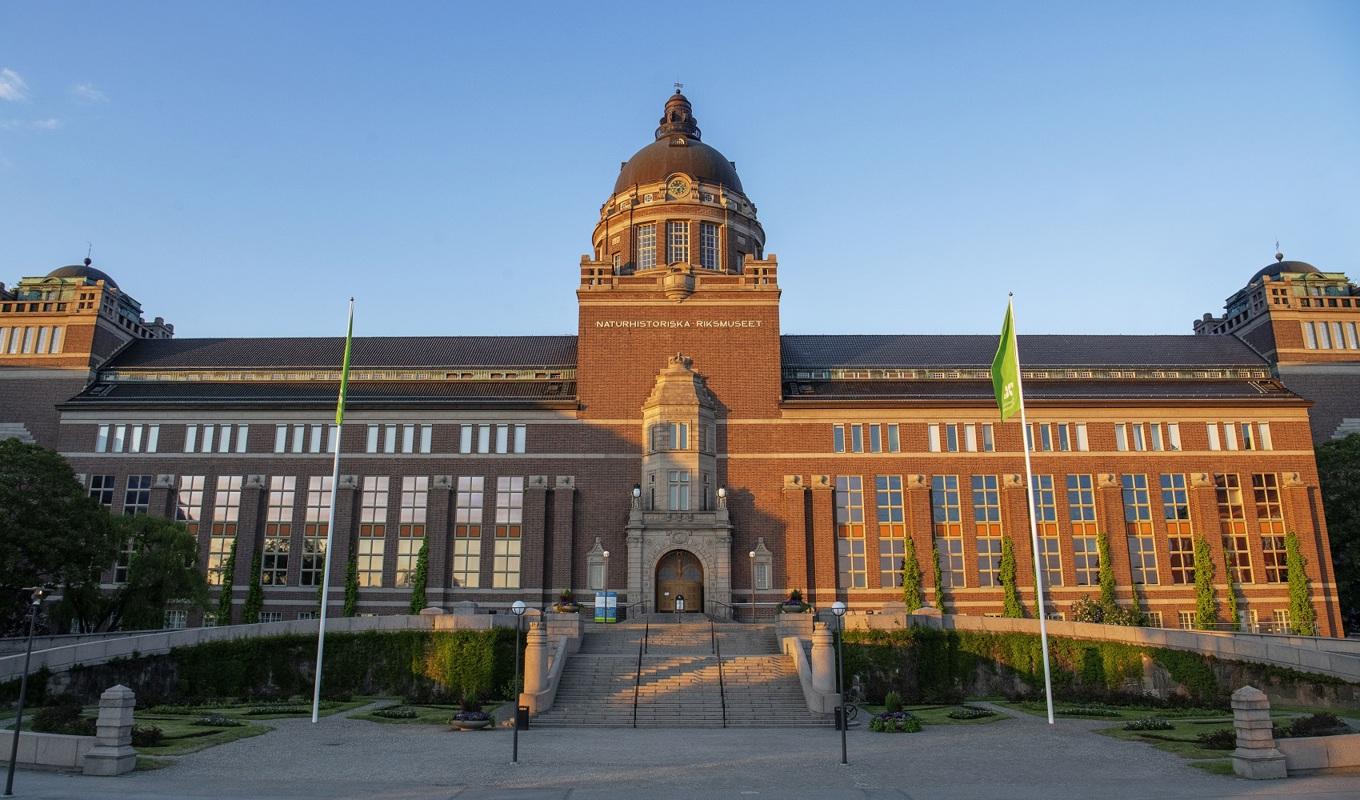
(242, 438)
(314, 530)
(190, 438)
(271, 616)
(1086, 560)
(1173, 436)
(175, 619)
(371, 440)
(119, 438)
(467, 532)
(933, 437)
(1137, 500)
(484, 438)
(390, 438)
(1143, 559)
(875, 438)
(644, 245)
(408, 438)
(951, 438)
(1186, 619)
(1324, 338)
(1264, 438)
(894, 443)
(505, 572)
(415, 497)
(1082, 444)
(205, 444)
(1212, 432)
(314, 439)
(137, 495)
(1265, 489)
(987, 523)
(502, 438)
(465, 438)
(947, 521)
(426, 438)
(857, 438)
(764, 575)
(278, 530)
(519, 438)
(1138, 525)
(1046, 521)
(850, 558)
(56, 338)
(1308, 339)
(595, 573)
(1180, 538)
(677, 242)
(281, 438)
(677, 489)
(189, 502)
(989, 560)
(708, 245)
(1121, 437)
(101, 439)
(892, 529)
(372, 530)
(1064, 437)
(1248, 436)
(222, 532)
(1232, 517)
(837, 438)
(1351, 340)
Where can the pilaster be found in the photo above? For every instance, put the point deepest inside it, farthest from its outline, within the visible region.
(533, 544)
(822, 588)
(796, 545)
(346, 496)
(248, 522)
(438, 535)
(564, 533)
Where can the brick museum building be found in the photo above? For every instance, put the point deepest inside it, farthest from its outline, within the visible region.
(682, 444)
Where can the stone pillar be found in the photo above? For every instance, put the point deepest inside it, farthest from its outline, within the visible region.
(535, 666)
(563, 533)
(796, 572)
(438, 535)
(1110, 494)
(823, 537)
(823, 660)
(248, 526)
(921, 529)
(113, 753)
(1256, 757)
(534, 545)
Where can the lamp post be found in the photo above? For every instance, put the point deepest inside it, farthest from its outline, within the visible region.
(752, 554)
(838, 609)
(517, 608)
(604, 583)
(38, 593)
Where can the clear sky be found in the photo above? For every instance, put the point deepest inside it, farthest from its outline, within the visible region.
(242, 168)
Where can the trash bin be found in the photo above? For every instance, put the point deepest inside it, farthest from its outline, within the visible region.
(522, 718)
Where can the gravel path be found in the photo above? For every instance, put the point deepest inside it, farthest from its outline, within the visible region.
(1018, 759)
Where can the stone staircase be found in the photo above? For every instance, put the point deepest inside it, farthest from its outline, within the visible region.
(678, 685)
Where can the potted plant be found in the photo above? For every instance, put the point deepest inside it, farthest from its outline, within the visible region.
(471, 717)
(794, 603)
(566, 603)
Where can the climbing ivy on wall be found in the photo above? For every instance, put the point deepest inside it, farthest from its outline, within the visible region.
(912, 595)
(1011, 606)
(1206, 606)
(224, 598)
(1302, 616)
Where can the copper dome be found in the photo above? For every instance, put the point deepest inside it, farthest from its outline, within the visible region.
(677, 149)
(85, 271)
(1273, 270)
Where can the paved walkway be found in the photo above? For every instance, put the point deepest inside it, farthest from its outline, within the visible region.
(1015, 759)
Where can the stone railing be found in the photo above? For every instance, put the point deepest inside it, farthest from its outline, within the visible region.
(816, 671)
(108, 752)
(1260, 756)
(547, 647)
(1333, 657)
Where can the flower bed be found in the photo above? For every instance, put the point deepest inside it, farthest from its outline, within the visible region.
(895, 722)
(970, 712)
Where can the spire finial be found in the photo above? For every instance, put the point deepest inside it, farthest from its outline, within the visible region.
(88, 250)
(1279, 256)
(678, 86)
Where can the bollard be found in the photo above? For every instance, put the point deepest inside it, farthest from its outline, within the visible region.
(823, 661)
(1256, 756)
(113, 753)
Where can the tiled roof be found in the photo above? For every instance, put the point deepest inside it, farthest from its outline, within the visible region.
(323, 393)
(1095, 390)
(976, 351)
(378, 351)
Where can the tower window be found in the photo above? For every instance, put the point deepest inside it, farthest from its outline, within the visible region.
(677, 242)
(678, 489)
(708, 245)
(644, 245)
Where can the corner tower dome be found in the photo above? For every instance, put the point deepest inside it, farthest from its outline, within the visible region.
(85, 271)
(677, 149)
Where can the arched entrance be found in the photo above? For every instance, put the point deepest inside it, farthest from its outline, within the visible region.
(679, 573)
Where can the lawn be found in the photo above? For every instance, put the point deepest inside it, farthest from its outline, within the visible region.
(1113, 713)
(431, 714)
(934, 715)
(181, 736)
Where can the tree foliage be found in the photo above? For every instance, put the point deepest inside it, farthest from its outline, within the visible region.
(1302, 616)
(250, 612)
(51, 533)
(1339, 472)
(912, 595)
(1107, 598)
(420, 578)
(1206, 604)
(1011, 606)
(162, 571)
(228, 580)
(352, 587)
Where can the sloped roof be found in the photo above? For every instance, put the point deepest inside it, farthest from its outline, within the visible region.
(323, 352)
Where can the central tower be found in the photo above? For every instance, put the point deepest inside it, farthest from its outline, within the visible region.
(678, 340)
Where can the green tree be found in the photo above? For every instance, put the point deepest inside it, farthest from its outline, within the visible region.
(1206, 605)
(250, 612)
(1011, 606)
(418, 580)
(1339, 472)
(912, 595)
(51, 532)
(1302, 616)
(352, 587)
(224, 596)
(1107, 598)
(937, 574)
(1234, 617)
(162, 570)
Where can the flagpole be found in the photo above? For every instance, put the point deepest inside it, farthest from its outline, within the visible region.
(1033, 521)
(330, 526)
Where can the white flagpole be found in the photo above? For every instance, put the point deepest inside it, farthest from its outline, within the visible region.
(330, 532)
(1033, 522)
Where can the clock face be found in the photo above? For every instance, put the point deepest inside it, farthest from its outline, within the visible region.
(678, 187)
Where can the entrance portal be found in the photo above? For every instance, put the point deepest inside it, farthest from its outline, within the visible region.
(679, 574)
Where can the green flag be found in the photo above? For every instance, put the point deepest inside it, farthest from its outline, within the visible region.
(344, 368)
(1006, 370)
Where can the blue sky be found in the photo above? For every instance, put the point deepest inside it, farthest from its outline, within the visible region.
(242, 168)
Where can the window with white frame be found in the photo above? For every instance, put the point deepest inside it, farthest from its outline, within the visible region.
(947, 520)
(278, 530)
(102, 488)
(31, 339)
(415, 494)
(118, 438)
(314, 529)
(879, 437)
(467, 532)
(372, 530)
(175, 619)
(848, 500)
(892, 528)
(708, 245)
(670, 436)
(644, 245)
(677, 489)
(222, 532)
(1239, 436)
(137, 495)
(677, 242)
(1144, 436)
(486, 438)
(271, 616)
(505, 572)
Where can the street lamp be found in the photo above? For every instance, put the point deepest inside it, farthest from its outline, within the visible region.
(752, 554)
(838, 609)
(517, 608)
(38, 593)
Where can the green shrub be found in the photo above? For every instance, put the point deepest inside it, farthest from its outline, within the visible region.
(217, 721)
(1148, 724)
(895, 722)
(63, 716)
(146, 735)
(1323, 724)
(395, 712)
(1221, 739)
(970, 712)
(1086, 711)
(892, 701)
